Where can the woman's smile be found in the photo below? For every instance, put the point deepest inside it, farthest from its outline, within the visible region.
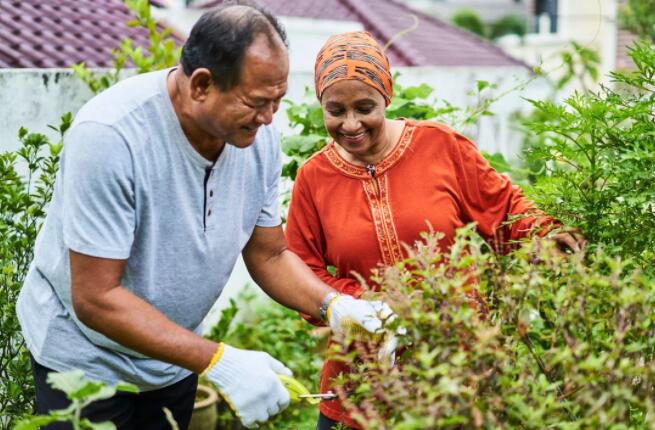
(354, 139)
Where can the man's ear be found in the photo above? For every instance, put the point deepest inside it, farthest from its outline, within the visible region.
(200, 83)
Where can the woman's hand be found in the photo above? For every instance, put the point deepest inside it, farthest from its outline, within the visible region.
(568, 239)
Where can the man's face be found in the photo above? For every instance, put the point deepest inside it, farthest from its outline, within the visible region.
(235, 115)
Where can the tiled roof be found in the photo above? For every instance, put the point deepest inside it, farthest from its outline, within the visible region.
(432, 43)
(59, 33)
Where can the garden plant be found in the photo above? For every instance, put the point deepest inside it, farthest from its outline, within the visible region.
(561, 341)
(558, 341)
(27, 179)
(597, 151)
(81, 392)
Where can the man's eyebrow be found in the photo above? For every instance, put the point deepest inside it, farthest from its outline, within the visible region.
(258, 99)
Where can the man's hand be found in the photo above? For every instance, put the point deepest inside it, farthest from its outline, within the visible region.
(345, 311)
(249, 383)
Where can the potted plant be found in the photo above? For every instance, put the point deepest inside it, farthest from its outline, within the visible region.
(204, 414)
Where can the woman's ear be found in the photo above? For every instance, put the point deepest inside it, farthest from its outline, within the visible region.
(200, 83)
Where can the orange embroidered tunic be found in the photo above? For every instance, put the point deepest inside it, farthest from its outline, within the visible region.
(357, 219)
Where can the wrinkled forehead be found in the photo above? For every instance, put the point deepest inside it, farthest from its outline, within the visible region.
(265, 67)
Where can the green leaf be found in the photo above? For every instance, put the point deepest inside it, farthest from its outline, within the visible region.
(127, 387)
(316, 117)
(68, 382)
(36, 422)
(93, 391)
(422, 91)
(481, 85)
(301, 144)
(105, 425)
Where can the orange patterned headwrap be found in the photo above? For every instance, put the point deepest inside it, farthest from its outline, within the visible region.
(355, 55)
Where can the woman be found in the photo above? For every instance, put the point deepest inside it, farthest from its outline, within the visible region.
(381, 182)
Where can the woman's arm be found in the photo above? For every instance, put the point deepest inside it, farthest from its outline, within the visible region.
(502, 213)
(306, 239)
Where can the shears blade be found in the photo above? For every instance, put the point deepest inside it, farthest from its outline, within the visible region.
(322, 396)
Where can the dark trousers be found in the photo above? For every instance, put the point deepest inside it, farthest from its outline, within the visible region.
(128, 411)
(325, 423)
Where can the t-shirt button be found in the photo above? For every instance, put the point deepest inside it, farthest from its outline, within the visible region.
(211, 193)
(209, 212)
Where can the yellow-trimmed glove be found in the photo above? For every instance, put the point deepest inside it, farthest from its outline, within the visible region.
(347, 314)
(344, 312)
(248, 381)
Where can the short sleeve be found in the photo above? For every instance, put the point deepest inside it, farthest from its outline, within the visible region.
(269, 215)
(98, 192)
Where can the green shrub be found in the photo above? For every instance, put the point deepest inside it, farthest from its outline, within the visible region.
(508, 24)
(469, 19)
(598, 152)
(637, 16)
(562, 343)
(27, 178)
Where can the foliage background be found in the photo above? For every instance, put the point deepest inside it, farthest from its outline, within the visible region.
(563, 342)
(566, 342)
(26, 184)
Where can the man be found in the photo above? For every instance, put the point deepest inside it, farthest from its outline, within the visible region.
(165, 178)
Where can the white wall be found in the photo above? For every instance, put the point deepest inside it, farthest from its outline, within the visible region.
(591, 23)
(35, 98)
(307, 36)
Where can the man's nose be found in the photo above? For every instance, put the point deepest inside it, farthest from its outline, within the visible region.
(265, 115)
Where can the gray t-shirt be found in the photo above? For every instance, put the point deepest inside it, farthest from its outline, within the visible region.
(131, 186)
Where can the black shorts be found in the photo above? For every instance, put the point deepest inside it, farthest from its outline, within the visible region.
(129, 411)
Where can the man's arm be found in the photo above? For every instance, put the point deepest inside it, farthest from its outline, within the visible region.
(102, 304)
(281, 273)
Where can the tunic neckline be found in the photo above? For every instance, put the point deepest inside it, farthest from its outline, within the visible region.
(360, 172)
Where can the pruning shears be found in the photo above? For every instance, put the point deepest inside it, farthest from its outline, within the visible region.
(298, 392)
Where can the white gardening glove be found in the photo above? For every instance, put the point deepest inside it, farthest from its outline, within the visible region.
(248, 382)
(345, 311)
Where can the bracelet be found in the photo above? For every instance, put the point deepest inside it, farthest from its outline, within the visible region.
(325, 304)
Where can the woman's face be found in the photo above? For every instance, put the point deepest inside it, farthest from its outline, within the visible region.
(353, 113)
